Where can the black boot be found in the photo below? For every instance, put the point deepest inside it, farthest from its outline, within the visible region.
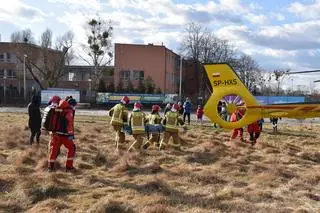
(51, 167)
(31, 140)
(38, 140)
(70, 169)
(146, 145)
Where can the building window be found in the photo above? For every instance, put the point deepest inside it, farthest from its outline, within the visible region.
(2, 73)
(125, 84)
(1, 56)
(138, 75)
(71, 76)
(11, 57)
(125, 75)
(11, 74)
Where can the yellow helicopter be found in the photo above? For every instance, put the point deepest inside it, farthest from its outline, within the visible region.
(229, 90)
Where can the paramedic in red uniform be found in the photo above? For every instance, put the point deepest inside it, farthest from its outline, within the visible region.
(236, 116)
(64, 136)
(254, 131)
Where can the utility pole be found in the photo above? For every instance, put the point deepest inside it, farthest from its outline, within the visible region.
(24, 78)
(180, 80)
(4, 88)
(89, 80)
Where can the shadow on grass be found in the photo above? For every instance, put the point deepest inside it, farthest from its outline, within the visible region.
(110, 206)
(11, 208)
(151, 168)
(175, 197)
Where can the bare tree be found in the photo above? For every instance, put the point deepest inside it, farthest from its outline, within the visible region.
(215, 50)
(46, 39)
(54, 69)
(278, 75)
(201, 45)
(249, 71)
(48, 67)
(191, 44)
(18, 40)
(64, 44)
(98, 47)
(23, 36)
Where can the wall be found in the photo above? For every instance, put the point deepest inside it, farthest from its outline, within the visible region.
(158, 62)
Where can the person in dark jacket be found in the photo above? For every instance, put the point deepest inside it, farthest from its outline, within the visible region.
(34, 123)
(187, 107)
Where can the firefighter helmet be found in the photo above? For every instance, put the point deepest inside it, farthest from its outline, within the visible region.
(155, 108)
(137, 106)
(175, 108)
(125, 100)
(55, 99)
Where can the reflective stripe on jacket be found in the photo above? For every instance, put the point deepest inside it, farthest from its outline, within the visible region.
(155, 119)
(172, 121)
(119, 115)
(137, 122)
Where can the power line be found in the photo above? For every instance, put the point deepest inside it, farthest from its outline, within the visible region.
(300, 72)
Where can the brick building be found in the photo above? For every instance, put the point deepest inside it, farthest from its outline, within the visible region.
(12, 58)
(134, 62)
(195, 83)
(78, 77)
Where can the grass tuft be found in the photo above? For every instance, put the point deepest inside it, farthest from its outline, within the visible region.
(42, 192)
(100, 159)
(110, 206)
(158, 208)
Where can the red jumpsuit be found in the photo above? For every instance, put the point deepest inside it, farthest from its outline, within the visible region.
(64, 136)
(199, 113)
(254, 131)
(238, 131)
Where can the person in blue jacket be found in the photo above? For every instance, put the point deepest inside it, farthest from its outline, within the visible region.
(260, 123)
(187, 109)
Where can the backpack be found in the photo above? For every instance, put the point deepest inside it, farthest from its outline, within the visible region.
(51, 119)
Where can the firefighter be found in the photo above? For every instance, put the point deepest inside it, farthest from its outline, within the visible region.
(119, 114)
(137, 122)
(64, 135)
(254, 131)
(171, 122)
(34, 123)
(154, 119)
(236, 116)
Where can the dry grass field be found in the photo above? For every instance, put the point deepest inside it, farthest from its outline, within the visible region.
(280, 174)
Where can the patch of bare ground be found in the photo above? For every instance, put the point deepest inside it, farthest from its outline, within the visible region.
(280, 173)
